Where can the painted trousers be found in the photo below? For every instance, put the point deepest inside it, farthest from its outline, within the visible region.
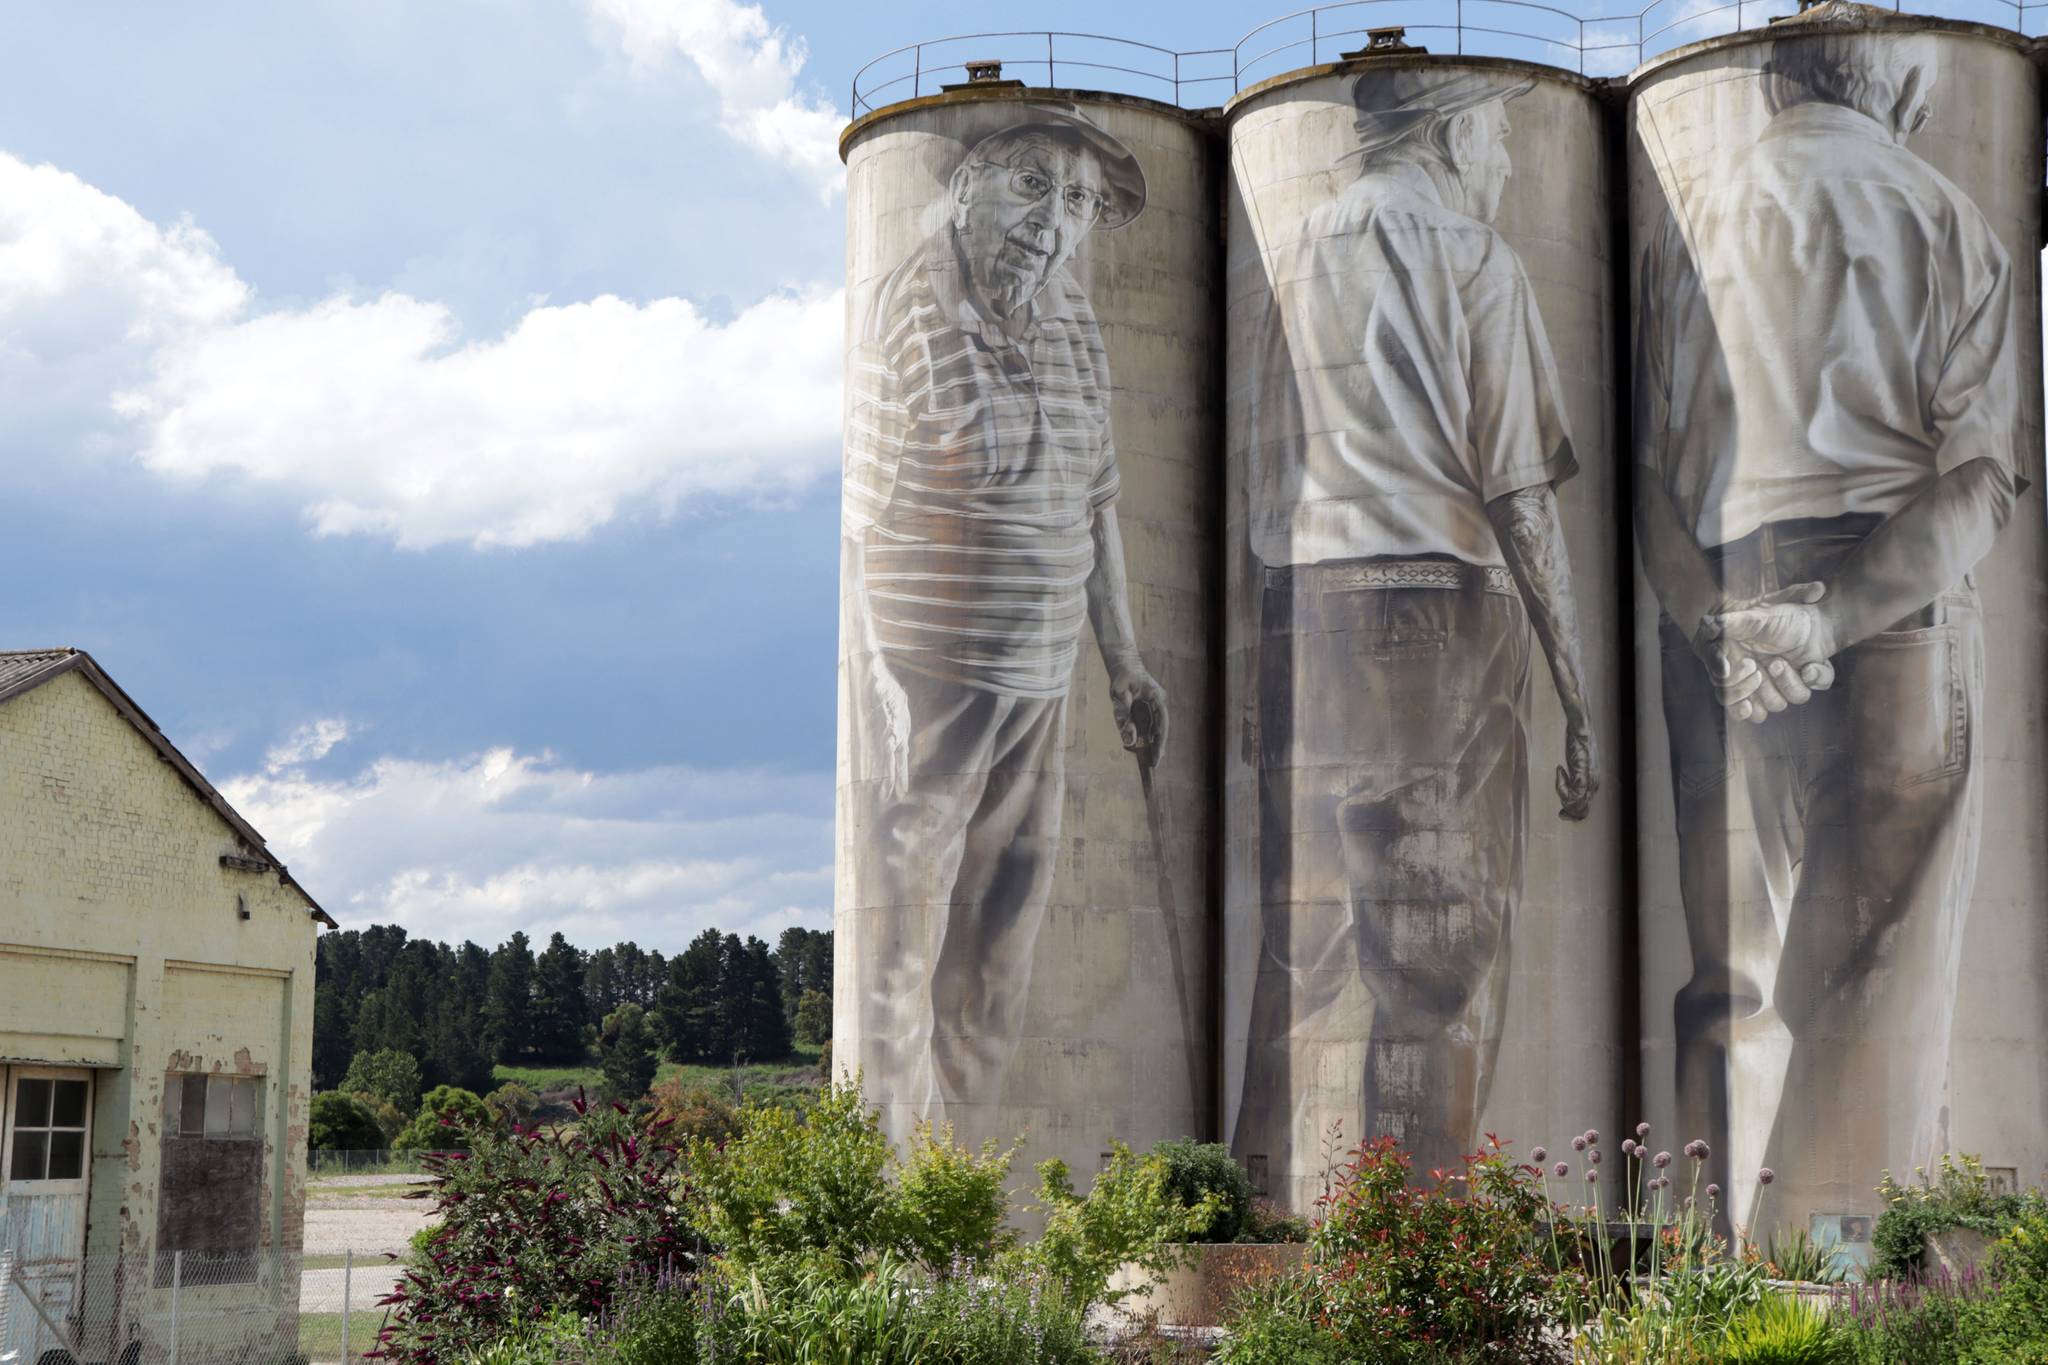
(1826, 863)
(1393, 778)
(957, 870)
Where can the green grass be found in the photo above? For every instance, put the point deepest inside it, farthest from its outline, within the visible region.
(337, 1189)
(320, 1334)
(758, 1080)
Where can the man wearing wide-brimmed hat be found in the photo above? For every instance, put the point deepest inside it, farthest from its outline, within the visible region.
(1408, 433)
(981, 533)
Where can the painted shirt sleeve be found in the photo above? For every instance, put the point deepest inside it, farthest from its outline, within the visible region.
(1974, 408)
(1519, 434)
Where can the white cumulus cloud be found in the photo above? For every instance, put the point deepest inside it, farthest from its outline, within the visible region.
(375, 414)
(481, 845)
(309, 743)
(752, 66)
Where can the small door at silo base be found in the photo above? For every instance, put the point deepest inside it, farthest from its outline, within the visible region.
(45, 1139)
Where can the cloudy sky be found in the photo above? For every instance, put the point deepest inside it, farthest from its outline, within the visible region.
(428, 410)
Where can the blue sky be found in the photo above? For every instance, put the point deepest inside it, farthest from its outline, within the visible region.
(428, 411)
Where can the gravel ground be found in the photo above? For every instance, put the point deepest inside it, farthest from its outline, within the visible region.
(339, 1217)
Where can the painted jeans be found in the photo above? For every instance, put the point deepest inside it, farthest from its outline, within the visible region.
(1826, 863)
(956, 873)
(1393, 811)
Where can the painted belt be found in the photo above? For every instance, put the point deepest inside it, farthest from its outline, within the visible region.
(1353, 574)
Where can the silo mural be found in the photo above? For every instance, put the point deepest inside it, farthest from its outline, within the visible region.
(1403, 433)
(1008, 790)
(1837, 414)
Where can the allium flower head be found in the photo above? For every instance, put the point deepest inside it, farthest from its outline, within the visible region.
(1592, 1176)
(1713, 1191)
(1539, 1156)
(1661, 1160)
(1560, 1169)
(1592, 1136)
(1642, 1130)
(1594, 1156)
(1766, 1175)
(1578, 1144)
(1628, 1146)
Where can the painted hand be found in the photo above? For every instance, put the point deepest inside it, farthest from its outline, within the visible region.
(894, 707)
(1769, 653)
(1578, 778)
(1140, 706)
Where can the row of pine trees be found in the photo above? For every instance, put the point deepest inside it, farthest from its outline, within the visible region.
(462, 1011)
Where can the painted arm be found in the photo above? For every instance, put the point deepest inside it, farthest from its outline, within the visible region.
(1525, 522)
(891, 703)
(1131, 687)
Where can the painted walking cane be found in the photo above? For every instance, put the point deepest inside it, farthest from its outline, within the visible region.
(1147, 725)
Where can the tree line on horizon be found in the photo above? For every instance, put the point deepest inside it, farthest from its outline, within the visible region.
(462, 1011)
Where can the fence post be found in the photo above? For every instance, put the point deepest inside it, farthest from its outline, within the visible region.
(348, 1263)
(177, 1285)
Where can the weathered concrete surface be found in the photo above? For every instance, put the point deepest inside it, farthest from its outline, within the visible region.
(1852, 1112)
(1112, 1038)
(1294, 149)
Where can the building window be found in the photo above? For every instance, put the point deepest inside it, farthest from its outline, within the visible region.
(49, 1129)
(210, 1203)
(214, 1106)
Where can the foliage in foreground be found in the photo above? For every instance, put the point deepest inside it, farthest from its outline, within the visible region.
(536, 1225)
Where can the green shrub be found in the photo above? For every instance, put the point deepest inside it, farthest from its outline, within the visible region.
(390, 1075)
(1785, 1329)
(1404, 1270)
(1129, 1216)
(450, 1118)
(951, 1204)
(341, 1123)
(1957, 1196)
(1271, 1324)
(548, 1342)
(786, 1186)
(1195, 1169)
(1268, 1223)
(2010, 1325)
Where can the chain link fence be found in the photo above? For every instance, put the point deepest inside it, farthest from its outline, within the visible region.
(326, 1165)
(191, 1308)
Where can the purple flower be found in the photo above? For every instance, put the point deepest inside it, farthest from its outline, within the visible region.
(1642, 1130)
(1713, 1191)
(1592, 1136)
(1594, 1156)
(1704, 1151)
(1661, 1160)
(1766, 1175)
(1592, 1176)
(1628, 1146)
(1578, 1144)
(1539, 1156)
(1561, 1170)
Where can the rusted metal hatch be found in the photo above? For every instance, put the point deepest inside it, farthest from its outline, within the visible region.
(45, 1162)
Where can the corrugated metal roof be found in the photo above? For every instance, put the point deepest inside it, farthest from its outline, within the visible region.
(24, 670)
(19, 665)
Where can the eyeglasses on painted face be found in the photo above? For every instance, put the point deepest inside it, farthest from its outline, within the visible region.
(1031, 184)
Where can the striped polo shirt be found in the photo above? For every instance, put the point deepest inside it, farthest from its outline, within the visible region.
(974, 466)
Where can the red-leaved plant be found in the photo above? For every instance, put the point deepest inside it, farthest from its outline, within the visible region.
(544, 1221)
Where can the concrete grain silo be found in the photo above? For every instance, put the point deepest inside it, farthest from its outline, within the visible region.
(1836, 228)
(1023, 944)
(1423, 910)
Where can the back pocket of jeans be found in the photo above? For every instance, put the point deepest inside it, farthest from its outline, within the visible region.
(1911, 721)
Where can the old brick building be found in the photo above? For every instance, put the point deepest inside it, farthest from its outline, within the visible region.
(156, 1019)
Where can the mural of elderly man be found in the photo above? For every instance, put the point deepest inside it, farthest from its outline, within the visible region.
(980, 531)
(1409, 432)
(1828, 407)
